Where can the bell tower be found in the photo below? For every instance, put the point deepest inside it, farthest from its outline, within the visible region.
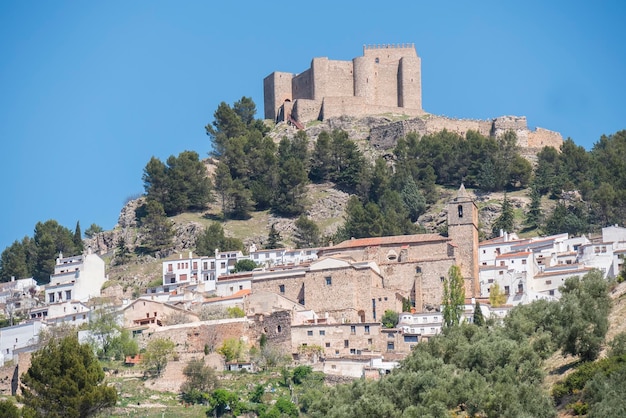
(463, 230)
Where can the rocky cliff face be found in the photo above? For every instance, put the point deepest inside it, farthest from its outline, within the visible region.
(127, 228)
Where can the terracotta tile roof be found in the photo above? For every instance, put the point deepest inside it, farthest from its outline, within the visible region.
(236, 295)
(393, 240)
(515, 255)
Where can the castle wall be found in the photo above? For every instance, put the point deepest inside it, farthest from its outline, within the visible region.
(277, 89)
(386, 136)
(302, 86)
(304, 109)
(410, 82)
(540, 138)
(332, 78)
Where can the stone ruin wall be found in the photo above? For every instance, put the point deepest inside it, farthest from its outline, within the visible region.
(385, 136)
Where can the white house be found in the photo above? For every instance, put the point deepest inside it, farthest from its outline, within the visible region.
(19, 336)
(76, 278)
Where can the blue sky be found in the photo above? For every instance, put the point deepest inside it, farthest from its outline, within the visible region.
(90, 91)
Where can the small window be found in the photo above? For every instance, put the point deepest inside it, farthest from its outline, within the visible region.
(367, 329)
(460, 209)
(352, 329)
(322, 332)
(377, 60)
(390, 346)
(329, 281)
(346, 343)
(281, 288)
(353, 351)
(327, 345)
(309, 333)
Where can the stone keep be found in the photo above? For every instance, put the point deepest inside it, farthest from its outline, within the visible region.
(386, 79)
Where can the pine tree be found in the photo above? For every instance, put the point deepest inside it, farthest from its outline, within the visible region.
(307, 233)
(156, 228)
(78, 238)
(533, 216)
(479, 319)
(65, 380)
(506, 220)
(273, 239)
(122, 253)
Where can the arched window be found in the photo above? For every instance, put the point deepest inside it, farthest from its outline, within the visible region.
(460, 208)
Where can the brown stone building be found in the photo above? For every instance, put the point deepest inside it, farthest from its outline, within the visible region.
(346, 291)
(416, 265)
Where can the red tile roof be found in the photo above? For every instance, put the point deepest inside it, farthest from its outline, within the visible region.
(393, 240)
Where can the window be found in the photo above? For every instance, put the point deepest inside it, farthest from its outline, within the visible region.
(418, 269)
(367, 329)
(322, 332)
(309, 333)
(551, 292)
(460, 209)
(442, 279)
(195, 265)
(410, 338)
(51, 297)
(507, 290)
(68, 295)
(346, 343)
(390, 335)
(352, 329)
(281, 288)
(353, 351)
(329, 281)
(524, 261)
(369, 341)
(170, 268)
(390, 346)
(240, 287)
(327, 345)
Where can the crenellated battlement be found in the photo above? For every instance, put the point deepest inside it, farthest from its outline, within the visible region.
(387, 46)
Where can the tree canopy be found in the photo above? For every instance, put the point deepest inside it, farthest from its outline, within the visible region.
(65, 380)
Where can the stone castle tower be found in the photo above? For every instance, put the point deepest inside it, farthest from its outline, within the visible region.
(386, 79)
(463, 230)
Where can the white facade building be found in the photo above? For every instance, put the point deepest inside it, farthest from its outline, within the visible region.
(76, 278)
(19, 336)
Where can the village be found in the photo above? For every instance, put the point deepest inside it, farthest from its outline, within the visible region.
(321, 306)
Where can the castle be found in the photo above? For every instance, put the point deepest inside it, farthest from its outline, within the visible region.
(386, 79)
